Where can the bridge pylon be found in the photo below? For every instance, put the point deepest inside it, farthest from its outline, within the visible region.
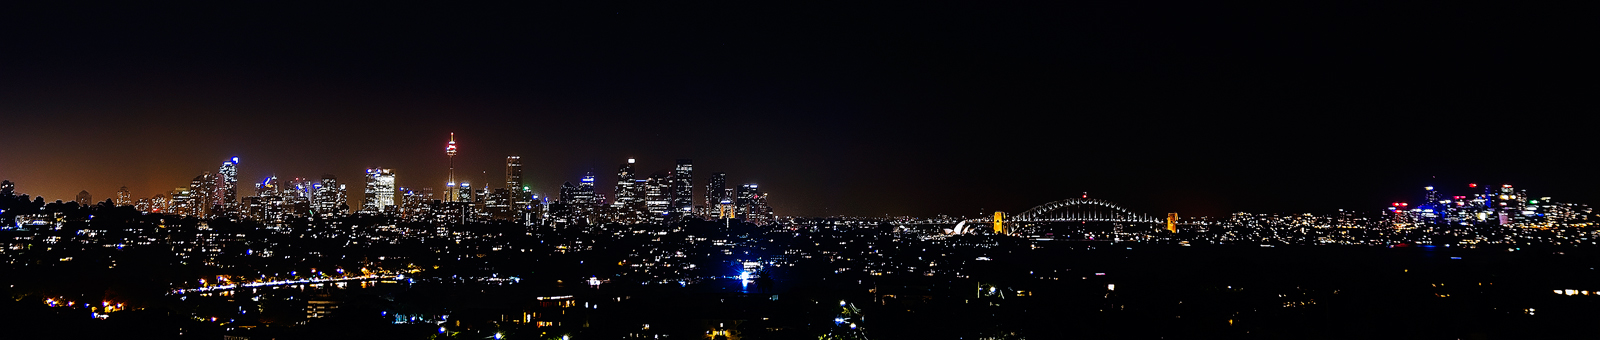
(999, 222)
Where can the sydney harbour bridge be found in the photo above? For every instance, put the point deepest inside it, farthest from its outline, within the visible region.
(1068, 210)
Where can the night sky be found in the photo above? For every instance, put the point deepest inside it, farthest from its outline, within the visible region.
(919, 108)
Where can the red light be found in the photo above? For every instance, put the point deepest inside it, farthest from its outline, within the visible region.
(1402, 204)
(1472, 185)
(1507, 185)
(1397, 204)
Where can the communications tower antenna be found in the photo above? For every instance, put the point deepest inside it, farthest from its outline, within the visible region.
(450, 189)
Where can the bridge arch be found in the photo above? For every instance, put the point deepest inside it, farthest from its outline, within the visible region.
(1063, 210)
(1067, 210)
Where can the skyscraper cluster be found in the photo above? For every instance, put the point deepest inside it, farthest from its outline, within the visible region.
(662, 197)
(1502, 205)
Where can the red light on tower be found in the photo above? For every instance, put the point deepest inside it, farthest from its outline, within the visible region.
(450, 149)
(1472, 185)
(1402, 204)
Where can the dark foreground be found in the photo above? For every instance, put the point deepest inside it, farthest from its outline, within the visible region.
(1048, 290)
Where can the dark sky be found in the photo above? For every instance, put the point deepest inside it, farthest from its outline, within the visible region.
(920, 108)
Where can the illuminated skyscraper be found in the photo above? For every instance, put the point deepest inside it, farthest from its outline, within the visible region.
(629, 203)
(586, 188)
(84, 199)
(498, 205)
(201, 190)
(717, 189)
(683, 187)
(745, 198)
(1172, 222)
(480, 202)
(414, 205)
(380, 191)
(464, 193)
(269, 187)
(657, 199)
(330, 197)
(271, 201)
(519, 197)
(158, 204)
(752, 206)
(227, 189)
(450, 152)
(568, 191)
(124, 198)
(180, 204)
(577, 202)
(300, 187)
(514, 173)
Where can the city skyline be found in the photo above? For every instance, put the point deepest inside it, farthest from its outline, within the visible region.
(797, 170)
(490, 176)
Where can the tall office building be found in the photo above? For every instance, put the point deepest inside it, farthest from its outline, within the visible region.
(520, 198)
(269, 187)
(330, 197)
(180, 203)
(271, 202)
(201, 190)
(84, 199)
(683, 187)
(717, 189)
(380, 191)
(746, 196)
(450, 152)
(751, 204)
(514, 173)
(480, 201)
(7, 189)
(578, 203)
(625, 182)
(568, 193)
(158, 204)
(227, 189)
(628, 205)
(498, 204)
(464, 193)
(414, 205)
(301, 187)
(124, 198)
(657, 198)
(585, 194)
